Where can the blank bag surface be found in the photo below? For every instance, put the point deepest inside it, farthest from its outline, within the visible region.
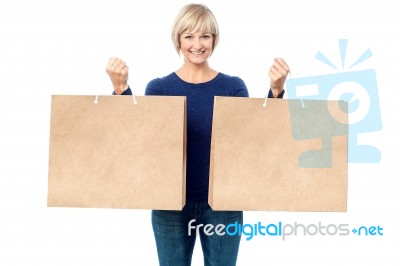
(116, 154)
(255, 157)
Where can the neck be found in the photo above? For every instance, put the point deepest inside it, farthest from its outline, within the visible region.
(196, 73)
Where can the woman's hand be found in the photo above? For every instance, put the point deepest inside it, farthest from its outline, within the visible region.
(278, 73)
(118, 72)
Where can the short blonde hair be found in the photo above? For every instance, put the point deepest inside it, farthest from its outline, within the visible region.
(194, 18)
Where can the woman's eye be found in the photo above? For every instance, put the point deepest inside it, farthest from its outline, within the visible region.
(206, 36)
(188, 37)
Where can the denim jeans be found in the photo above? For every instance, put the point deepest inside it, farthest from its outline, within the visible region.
(175, 246)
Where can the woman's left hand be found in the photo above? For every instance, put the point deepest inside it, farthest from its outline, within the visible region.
(278, 73)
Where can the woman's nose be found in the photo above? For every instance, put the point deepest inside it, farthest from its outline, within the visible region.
(197, 43)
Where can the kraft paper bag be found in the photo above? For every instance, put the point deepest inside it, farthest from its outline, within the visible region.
(288, 156)
(117, 154)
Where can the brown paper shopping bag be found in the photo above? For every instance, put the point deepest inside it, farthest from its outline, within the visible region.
(288, 156)
(117, 154)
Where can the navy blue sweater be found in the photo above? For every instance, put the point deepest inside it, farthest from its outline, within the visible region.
(200, 102)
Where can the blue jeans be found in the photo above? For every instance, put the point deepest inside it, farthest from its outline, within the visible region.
(175, 245)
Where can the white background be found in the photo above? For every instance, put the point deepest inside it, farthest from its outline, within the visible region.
(61, 47)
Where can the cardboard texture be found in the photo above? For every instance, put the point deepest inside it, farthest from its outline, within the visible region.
(288, 156)
(115, 154)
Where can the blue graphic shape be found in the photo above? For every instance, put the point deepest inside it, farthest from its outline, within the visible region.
(313, 120)
(322, 58)
(369, 122)
(367, 54)
(343, 50)
(353, 103)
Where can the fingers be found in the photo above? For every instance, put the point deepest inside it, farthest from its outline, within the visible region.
(125, 70)
(116, 66)
(278, 70)
(281, 65)
(118, 72)
(278, 73)
(274, 74)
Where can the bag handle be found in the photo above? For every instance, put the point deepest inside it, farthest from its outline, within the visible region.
(96, 101)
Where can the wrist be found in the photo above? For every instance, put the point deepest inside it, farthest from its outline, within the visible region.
(120, 89)
(276, 93)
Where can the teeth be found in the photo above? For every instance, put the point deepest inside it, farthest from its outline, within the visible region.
(197, 53)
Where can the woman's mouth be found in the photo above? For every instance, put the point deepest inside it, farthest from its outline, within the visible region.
(197, 52)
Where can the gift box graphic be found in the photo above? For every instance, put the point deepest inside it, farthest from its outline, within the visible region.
(357, 92)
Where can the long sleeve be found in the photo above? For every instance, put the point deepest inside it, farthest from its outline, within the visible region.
(241, 89)
(128, 91)
(280, 95)
(154, 87)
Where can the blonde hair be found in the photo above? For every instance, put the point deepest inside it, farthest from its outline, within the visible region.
(194, 18)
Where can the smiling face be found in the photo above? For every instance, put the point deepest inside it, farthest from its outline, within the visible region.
(195, 32)
(196, 47)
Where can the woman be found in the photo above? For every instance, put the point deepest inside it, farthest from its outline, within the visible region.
(195, 35)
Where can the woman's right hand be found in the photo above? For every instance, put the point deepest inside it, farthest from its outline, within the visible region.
(118, 72)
